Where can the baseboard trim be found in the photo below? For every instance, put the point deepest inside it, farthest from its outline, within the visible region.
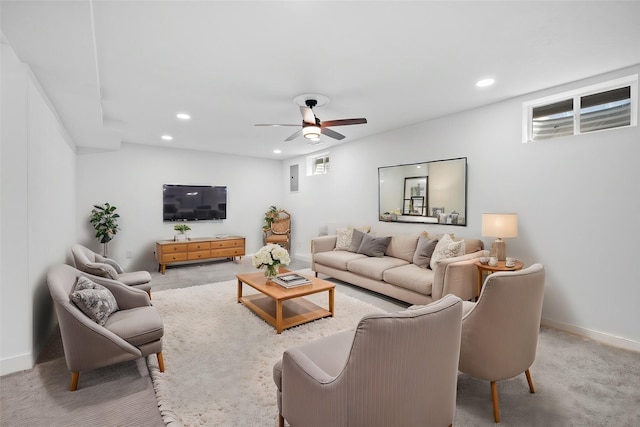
(600, 337)
(17, 363)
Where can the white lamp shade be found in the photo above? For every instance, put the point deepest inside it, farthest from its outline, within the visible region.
(501, 225)
(311, 132)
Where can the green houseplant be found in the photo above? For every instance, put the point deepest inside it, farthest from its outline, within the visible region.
(181, 228)
(269, 216)
(105, 221)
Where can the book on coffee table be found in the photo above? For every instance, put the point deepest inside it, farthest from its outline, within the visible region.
(290, 280)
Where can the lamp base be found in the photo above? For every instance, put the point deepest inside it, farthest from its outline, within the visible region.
(499, 249)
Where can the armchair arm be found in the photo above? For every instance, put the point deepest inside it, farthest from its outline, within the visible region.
(323, 244)
(126, 296)
(88, 345)
(457, 276)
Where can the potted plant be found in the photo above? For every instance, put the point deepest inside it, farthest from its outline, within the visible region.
(105, 221)
(269, 216)
(181, 228)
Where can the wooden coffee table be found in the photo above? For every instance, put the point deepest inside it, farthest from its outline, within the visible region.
(281, 307)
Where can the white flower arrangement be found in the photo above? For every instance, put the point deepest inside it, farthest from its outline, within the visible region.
(271, 256)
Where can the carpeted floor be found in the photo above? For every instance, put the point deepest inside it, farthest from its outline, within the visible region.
(578, 382)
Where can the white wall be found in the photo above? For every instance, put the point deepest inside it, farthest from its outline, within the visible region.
(132, 179)
(38, 212)
(576, 199)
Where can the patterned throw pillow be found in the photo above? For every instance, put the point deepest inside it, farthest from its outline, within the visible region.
(343, 241)
(94, 300)
(446, 248)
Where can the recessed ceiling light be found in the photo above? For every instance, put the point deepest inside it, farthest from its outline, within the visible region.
(485, 82)
(277, 151)
(183, 116)
(167, 137)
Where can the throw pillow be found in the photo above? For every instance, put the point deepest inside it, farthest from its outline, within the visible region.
(446, 248)
(343, 240)
(94, 300)
(374, 246)
(356, 240)
(424, 250)
(101, 269)
(114, 264)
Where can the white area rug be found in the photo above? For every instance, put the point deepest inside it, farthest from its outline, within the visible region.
(219, 356)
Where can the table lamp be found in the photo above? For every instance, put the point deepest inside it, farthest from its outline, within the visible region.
(501, 226)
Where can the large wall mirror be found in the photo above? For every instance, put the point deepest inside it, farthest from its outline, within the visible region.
(431, 192)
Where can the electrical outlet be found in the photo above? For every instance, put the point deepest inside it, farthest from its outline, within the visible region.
(129, 254)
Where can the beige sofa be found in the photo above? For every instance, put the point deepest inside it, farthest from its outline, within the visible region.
(395, 274)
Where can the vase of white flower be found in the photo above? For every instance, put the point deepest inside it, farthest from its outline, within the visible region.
(271, 257)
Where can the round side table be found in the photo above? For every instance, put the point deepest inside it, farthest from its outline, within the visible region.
(491, 269)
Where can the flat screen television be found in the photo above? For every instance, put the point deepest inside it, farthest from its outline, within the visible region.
(193, 202)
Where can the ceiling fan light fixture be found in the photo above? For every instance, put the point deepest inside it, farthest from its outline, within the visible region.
(311, 132)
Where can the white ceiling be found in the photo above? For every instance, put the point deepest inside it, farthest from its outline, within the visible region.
(119, 71)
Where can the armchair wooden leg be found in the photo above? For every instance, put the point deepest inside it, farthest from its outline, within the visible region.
(494, 398)
(280, 420)
(530, 381)
(149, 293)
(74, 380)
(160, 361)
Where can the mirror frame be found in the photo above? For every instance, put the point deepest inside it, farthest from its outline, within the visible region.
(421, 211)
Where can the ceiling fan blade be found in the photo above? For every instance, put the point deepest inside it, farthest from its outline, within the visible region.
(344, 122)
(307, 115)
(295, 135)
(332, 133)
(274, 124)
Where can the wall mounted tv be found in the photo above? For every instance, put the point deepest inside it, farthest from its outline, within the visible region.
(193, 202)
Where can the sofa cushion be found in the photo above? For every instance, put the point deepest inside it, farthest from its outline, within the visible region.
(337, 259)
(374, 246)
(374, 267)
(446, 248)
(424, 250)
(410, 277)
(134, 278)
(137, 326)
(94, 300)
(402, 247)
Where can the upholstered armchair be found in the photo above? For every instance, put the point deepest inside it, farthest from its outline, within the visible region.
(133, 330)
(395, 369)
(280, 231)
(500, 330)
(95, 264)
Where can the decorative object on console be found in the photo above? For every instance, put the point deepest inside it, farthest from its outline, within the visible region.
(105, 221)
(271, 257)
(501, 226)
(181, 228)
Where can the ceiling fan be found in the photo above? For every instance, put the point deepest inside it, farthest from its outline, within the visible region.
(312, 127)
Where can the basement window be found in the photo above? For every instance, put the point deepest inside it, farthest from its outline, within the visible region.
(608, 105)
(318, 164)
